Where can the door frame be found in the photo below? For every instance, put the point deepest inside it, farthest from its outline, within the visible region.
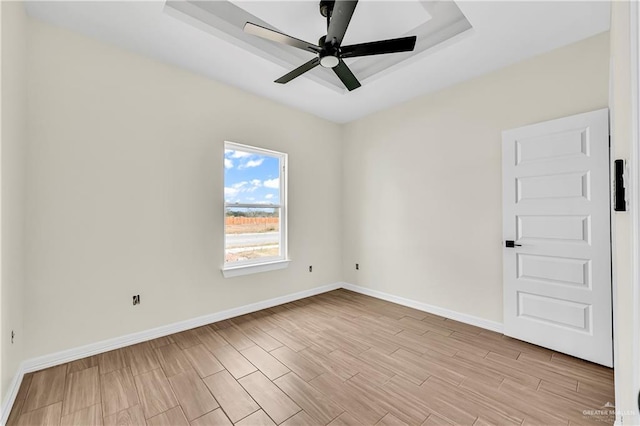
(630, 415)
(634, 194)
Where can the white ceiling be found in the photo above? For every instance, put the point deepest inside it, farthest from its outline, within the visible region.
(503, 33)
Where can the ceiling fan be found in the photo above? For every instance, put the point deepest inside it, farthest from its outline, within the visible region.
(330, 53)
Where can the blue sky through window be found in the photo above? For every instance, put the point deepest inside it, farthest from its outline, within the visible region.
(251, 178)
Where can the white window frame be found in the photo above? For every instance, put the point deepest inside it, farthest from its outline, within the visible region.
(263, 264)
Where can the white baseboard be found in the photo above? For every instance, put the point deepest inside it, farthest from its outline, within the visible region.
(39, 363)
(436, 310)
(62, 357)
(12, 392)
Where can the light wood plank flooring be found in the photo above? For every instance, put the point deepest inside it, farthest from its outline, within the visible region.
(339, 358)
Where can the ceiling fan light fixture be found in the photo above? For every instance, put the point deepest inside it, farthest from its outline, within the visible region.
(329, 61)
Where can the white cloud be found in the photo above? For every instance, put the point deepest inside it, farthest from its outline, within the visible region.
(230, 192)
(252, 163)
(268, 196)
(241, 187)
(228, 163)
(272, 183)
(239, 154)
(255, 184)
(235, 189)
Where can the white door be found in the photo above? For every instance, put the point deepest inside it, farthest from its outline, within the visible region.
(557, 276)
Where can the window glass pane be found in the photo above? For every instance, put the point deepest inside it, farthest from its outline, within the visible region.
(251, 178)
(255, 214)
(251, 233)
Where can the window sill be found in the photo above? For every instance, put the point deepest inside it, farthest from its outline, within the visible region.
(236, 271)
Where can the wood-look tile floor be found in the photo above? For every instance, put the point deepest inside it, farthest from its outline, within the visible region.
(339, 358)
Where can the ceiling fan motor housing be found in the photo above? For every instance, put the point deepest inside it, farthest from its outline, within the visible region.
(330, 53)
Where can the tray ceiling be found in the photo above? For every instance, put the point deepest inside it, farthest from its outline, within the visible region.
(486, 36)
(433, 22)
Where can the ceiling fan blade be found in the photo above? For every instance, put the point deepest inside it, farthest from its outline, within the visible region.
(404, 44)
(340, 17)
(299, 71)
(272, 35)
(344, 73)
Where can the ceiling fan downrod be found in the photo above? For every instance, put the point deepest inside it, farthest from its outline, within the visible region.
(326, 8)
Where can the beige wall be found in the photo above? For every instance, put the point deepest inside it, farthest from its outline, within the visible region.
(422, 200)
(624, 302)
(14, 140)
(125, 193)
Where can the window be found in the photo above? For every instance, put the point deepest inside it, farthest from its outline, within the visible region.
(255, 214)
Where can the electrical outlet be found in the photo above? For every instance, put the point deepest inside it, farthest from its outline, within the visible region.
(310, 268)
(136, 299)
(357, 266)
